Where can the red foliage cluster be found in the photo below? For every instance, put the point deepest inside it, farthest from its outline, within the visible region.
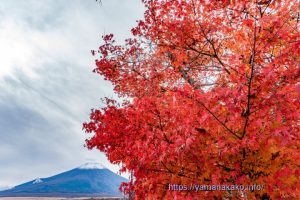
(213, 98)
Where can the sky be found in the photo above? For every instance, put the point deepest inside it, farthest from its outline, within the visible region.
(47, 88)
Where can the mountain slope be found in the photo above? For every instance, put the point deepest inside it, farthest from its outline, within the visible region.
(87, 180)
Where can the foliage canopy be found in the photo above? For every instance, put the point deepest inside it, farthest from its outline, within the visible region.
(214, 99)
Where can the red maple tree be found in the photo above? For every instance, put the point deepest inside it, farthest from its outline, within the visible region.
(212, 97)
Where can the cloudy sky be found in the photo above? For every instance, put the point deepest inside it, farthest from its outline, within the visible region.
(47, 87)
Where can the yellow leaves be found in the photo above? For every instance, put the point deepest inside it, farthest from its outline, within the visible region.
(291, 179)
(271, 146)
(274, 151)
(248, 69)
(275, 125)
(223, 109)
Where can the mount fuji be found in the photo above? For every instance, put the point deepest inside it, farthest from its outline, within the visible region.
(88, 180)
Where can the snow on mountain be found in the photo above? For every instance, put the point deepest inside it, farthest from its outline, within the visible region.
(38, 180)
(88, 180)
(92, 165)
(4, 188)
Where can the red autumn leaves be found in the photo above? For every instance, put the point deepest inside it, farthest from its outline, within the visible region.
(213, 98)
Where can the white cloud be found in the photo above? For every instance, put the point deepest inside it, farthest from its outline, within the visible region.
(47, 87)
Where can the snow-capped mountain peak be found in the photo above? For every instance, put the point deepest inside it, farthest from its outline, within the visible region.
(92, 165)
(83, 181)
(5, 187)
(38, 180)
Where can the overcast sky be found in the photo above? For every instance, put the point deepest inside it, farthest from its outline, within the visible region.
(47, 87)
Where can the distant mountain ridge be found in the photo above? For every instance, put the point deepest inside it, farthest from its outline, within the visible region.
(88, 180)
(4, 188)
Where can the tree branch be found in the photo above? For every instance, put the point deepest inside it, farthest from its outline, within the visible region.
(192, 83)
(252, 63)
